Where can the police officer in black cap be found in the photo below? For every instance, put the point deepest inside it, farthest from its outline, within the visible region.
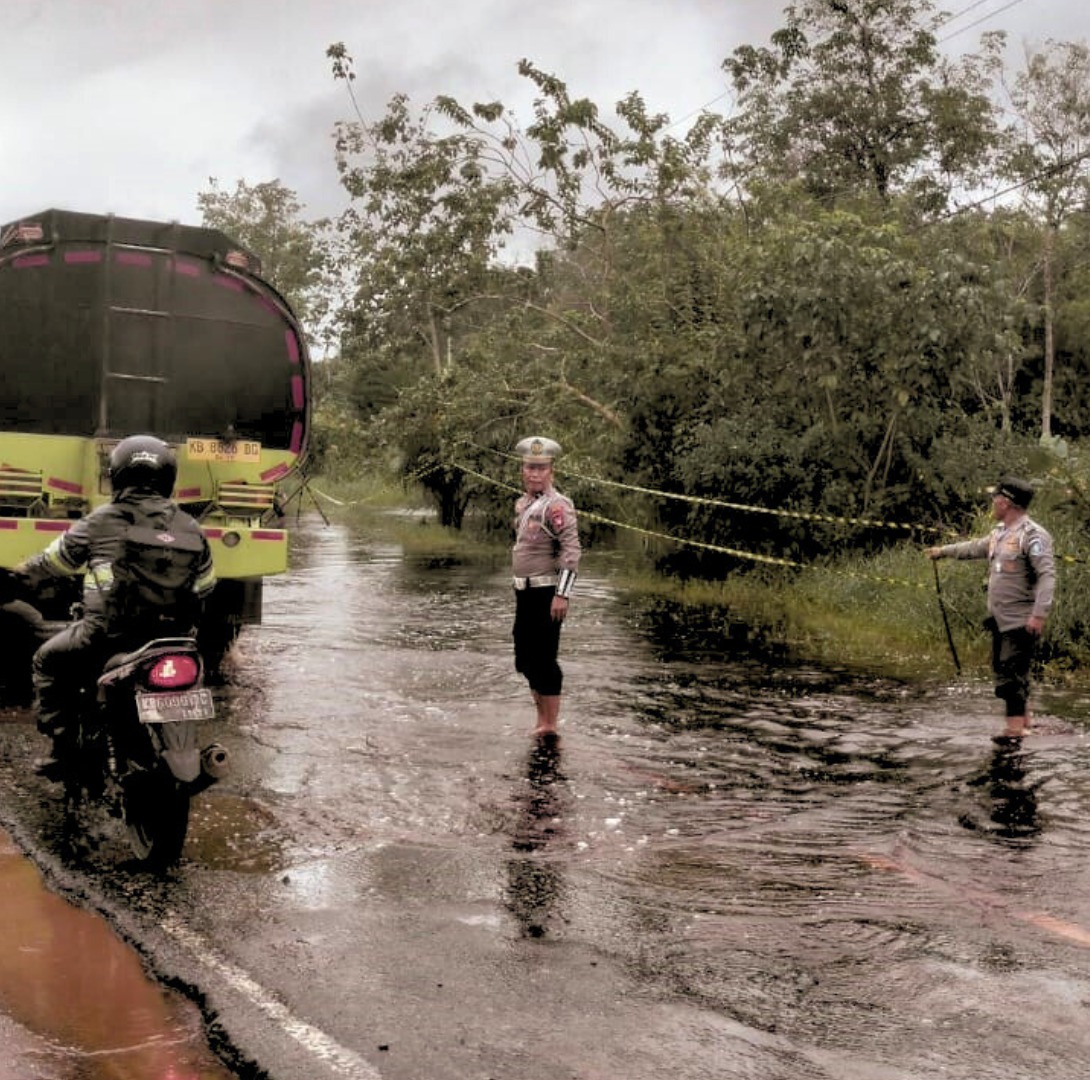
(545, 560)
(1021, 586)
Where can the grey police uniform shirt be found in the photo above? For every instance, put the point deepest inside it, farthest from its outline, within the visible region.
(1021, 570)
(546, 535)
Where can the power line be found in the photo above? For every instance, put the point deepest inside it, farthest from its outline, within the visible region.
(964, 11)
(697, 111)
(944, 22)
(1051, 170)
(982, 19)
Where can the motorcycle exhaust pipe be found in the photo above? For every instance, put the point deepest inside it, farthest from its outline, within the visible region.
(215, 761)
(215, 765)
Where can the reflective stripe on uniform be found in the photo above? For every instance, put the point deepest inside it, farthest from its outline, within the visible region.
(99, 579)
(536, 581)
(58, 559)
(205, 582)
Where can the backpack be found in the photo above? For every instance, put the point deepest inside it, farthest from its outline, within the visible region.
(153, 575)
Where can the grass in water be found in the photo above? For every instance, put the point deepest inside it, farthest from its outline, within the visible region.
(383, 510)
(879, 613)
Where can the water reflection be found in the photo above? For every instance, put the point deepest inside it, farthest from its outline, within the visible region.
(774, 843)
(1011, 798)
(534, 882)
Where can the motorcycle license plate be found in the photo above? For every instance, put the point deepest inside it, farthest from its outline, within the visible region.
(169, 708)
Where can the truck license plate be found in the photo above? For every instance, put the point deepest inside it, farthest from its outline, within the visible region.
(236, 451)
(169, 708)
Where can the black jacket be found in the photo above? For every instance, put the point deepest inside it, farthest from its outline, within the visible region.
(98, 544)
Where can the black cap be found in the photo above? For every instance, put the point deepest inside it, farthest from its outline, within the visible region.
(1018, 491)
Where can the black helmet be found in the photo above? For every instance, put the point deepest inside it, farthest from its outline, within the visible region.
(143, 461)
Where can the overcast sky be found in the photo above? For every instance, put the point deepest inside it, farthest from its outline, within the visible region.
(129, 106)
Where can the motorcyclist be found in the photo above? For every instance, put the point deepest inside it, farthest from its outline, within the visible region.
(123, 602)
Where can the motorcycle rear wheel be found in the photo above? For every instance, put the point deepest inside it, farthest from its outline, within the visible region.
(156, 817)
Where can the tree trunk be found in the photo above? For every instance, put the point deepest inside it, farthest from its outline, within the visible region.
(1050, 343)
(447, 488)
(434, 343)
(451, 508)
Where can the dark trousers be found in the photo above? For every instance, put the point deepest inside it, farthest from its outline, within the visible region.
(67, 662)
(537, 640)
(23, 632)
(74, 658)
(1012, 657)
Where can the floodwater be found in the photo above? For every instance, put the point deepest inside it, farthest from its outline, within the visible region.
(77, 1004)
(733, 864)
(848, 870)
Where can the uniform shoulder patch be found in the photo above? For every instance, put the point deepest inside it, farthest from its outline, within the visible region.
(1036, 547)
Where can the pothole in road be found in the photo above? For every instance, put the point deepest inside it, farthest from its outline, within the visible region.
(231, 832)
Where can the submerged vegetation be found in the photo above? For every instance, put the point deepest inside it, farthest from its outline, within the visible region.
(881, 613)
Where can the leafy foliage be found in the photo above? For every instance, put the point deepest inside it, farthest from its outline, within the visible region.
(297, 256)
(854, 98)
(783, 309)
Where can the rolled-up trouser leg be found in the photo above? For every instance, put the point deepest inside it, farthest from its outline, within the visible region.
(537, 640)
(1012, 656)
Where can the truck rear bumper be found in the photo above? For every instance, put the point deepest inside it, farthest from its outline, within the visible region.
(243, 552)
(238, 551)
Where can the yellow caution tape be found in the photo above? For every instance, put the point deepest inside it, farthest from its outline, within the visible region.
(751, 556)
(699, 500)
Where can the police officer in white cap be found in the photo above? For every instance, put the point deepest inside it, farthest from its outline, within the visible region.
(545, 561)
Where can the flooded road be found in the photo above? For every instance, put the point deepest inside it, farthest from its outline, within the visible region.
(729, 867)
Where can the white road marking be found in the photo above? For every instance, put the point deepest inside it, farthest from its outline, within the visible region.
(322, 1046)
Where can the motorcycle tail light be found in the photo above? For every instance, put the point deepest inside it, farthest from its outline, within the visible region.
(174, 671)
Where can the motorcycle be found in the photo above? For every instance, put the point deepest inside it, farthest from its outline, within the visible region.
(135, 748)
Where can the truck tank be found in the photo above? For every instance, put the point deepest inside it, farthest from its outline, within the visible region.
(111, 326)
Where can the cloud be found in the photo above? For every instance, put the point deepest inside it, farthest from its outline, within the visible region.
(129, 106)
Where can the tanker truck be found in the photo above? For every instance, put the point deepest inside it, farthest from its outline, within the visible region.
(112, 326)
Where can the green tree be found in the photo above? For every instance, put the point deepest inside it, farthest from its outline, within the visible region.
(426, 224)
(297, 256)
(1003, 245)
(587, 188)
(854, 98)
(1049, 156)
(852, 376)
(813, 346)
(1071, 416)
(437, 200)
